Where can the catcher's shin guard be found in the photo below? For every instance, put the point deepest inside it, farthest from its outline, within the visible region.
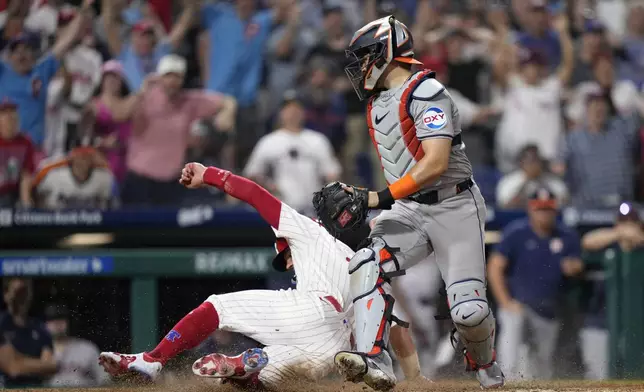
(473, 319)
(372, 304)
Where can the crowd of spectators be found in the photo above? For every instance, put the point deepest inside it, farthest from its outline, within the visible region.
(550, 93)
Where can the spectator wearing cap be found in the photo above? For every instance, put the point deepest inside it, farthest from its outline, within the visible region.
(141, 53)
(625, 235)
(293, 161)
(80, 180)
(76, 357)
(25, 79)
(16, 159)
(621, 94)
(513, 189)
(69, 91)
(325, 108)
(232, 54)
(589, 46)
(526, 272)
(286, 51)
(538, 34)
(107, 118)
(597, 157)
(161, 133)
(28, 336)
(532, 110)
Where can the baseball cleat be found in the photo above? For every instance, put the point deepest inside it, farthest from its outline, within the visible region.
(490, 376)
(117, 365)
(241, 366)
(377, 372)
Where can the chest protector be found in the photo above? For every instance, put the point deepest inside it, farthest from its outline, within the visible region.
(392, 128)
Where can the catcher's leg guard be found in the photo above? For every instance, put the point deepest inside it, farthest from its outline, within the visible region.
(373, 305)
(473, 319)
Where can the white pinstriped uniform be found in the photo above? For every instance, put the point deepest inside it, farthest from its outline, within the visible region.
(302, 330)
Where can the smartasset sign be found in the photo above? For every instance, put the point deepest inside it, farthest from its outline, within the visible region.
(56, 266)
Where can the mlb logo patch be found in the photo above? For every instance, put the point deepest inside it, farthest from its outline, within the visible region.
(434, 118)
(172, 336)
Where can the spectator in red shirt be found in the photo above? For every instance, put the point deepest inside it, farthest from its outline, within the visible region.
(16, 159)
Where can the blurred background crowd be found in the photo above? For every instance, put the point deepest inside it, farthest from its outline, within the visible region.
(102, 102)
(549, 93)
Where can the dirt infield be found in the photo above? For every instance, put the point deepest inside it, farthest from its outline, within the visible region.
(191, 385)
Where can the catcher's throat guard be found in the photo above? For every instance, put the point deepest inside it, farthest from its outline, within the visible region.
(339, 210)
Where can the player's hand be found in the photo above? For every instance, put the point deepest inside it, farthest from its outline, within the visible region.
(192, 175)
(512, 306)
(372, 200)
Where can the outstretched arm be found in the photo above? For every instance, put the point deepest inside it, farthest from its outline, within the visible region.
(195, 175)
(67, 40)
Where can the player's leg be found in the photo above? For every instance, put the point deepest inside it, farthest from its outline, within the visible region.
(546, 332)
(396, 242)
(508, 341)
(191, 330)
(456, 229)
(270, 317)
(594, 351)
(285, 317)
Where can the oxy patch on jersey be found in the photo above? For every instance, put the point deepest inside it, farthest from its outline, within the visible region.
(435, 118)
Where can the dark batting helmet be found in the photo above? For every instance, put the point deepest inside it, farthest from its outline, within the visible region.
(373, 48)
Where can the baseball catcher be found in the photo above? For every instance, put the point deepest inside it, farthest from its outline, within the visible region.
(432, 204)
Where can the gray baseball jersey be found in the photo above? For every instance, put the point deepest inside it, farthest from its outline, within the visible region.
(401, 118)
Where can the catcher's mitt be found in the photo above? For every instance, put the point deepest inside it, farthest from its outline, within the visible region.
(339, 210)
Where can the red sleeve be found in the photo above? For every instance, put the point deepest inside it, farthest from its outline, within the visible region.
(268, 206)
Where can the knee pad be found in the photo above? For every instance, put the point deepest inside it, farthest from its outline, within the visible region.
(473, 318)
(467, 302)
(372, 304)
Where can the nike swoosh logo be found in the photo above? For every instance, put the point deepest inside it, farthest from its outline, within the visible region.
(379, 120)
(468, 316)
